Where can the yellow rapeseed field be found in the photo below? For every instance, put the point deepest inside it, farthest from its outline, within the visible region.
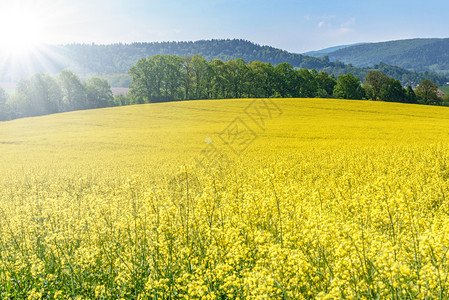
(227, 199)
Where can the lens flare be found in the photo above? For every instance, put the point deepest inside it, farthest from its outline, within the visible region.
(21, 31)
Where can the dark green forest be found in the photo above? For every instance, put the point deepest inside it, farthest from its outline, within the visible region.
(112, 62)
(431, 55)
(118, 58)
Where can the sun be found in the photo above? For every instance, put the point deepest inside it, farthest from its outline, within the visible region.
(22, 30)
(28, 29)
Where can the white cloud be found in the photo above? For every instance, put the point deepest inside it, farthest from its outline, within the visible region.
(348, 23)
(343, 30)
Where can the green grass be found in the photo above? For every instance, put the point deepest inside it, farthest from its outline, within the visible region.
(445, 89)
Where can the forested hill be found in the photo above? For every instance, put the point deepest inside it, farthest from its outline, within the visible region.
(326, 51)
(118, 58)
(112, 62)
(412, 54)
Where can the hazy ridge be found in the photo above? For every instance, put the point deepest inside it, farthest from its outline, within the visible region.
(113, 61)
(413, 54)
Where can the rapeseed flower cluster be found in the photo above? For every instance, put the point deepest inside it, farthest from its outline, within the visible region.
(332, 200)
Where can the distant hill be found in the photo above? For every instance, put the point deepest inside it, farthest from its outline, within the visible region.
(113, 61)
(327, 51)
(430, 55)
(119, 58)
(110, 59)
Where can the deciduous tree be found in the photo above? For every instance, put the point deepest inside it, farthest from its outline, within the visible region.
(392, 91)
(73, 92)
(426, 92)
(326, 84)
(36, 96)
(99, 93)
(374, 81)
(4, 110)
(348, 87)
(143, 81)
(410, 94)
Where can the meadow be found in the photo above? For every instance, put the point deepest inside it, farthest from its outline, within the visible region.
(227, 199)
(445, 89)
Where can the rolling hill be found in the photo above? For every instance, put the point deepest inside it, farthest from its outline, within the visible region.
(326, 51)
(430, 55)
(112, 62)
(112, 59)
(225, 199)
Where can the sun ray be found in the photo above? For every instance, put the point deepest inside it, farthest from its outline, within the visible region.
(27, 27)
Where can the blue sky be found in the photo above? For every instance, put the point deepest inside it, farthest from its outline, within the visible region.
(293, 25)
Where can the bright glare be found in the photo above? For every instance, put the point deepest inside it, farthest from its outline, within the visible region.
(21, 31)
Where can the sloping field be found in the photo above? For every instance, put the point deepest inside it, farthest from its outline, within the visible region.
(284, 198)
(445, 89)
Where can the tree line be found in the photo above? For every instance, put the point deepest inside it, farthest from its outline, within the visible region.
(169, 77)
(112, 62)
(45, 94)
(161, 78)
